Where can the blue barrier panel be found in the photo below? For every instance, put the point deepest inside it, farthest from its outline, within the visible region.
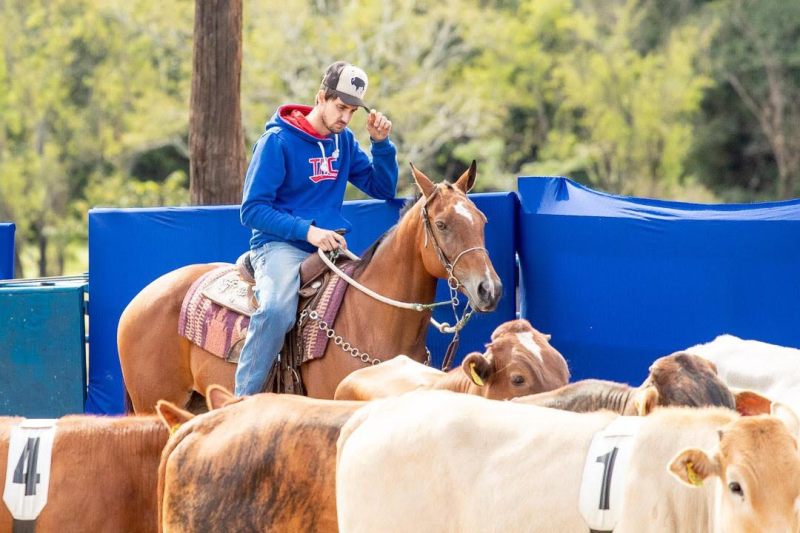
(128, 248)
(621, 281)
(6, 250)
(42, 348)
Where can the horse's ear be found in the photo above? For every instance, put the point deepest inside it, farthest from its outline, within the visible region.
(467, 179)
(423, 182)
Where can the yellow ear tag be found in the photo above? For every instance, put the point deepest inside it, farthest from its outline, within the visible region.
(474, 375)
(174, 428)
(694, 477)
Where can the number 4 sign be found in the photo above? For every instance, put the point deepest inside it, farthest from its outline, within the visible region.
(28, 469)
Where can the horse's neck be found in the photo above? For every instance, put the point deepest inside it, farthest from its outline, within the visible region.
(397, 271)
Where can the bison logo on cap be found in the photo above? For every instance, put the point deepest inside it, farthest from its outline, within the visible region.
(358, 83)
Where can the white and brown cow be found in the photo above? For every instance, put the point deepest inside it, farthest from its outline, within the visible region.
(518, 361)
(678, 379)
(436, 461)
(103, 474)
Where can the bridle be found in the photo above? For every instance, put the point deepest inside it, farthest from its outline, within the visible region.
(453, 284)
(452, 281)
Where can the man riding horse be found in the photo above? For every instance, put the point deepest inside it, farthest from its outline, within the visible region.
(293, 195)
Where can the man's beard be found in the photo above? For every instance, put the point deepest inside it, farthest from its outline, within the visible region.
(333, 128)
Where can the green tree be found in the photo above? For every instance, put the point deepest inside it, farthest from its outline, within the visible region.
(757, 56)
(624, 118)
(86, 89)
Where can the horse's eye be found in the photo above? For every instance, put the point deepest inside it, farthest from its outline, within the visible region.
(735, 488)
(441, 225)
(517, 379)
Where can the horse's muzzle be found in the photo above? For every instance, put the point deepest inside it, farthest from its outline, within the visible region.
(485, 295)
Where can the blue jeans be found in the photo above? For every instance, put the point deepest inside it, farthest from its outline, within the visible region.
(277, 274)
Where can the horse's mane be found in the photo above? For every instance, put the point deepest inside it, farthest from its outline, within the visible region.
(369, 253)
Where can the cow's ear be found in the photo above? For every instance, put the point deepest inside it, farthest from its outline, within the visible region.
(751, 403)
(477, 368)
(467, 179)
(218, 396)
(424, 183)
(692, 466)
(171, 415)
(645, 399)
(786, 415)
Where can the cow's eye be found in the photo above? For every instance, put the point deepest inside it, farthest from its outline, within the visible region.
(736, 488)
(517, 380)
(441, 225)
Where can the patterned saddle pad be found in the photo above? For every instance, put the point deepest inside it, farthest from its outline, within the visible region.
(209, 324)
(216, 312)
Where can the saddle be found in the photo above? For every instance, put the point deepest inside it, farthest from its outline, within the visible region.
(216, 312)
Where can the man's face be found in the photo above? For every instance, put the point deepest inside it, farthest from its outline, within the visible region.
(336, 114)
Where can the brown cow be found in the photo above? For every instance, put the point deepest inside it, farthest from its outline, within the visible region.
(102, 475)
(518, 361)
(262, 463)
(677, 379)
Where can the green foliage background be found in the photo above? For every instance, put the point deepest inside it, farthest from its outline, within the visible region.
(687, 99)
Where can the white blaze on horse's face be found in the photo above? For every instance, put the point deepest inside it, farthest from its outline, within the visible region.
(462, 210)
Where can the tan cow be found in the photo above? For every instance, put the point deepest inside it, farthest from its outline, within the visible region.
(677, 379)
(262, 463)
(436, 461)
(518, 361)
(103, 474)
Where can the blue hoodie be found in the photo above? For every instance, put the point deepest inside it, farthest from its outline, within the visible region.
(295, 180)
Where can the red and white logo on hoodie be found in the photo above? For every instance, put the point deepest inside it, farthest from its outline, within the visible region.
(322, 169)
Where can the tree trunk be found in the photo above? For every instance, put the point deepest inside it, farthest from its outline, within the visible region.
(42, 241)
(216, 140)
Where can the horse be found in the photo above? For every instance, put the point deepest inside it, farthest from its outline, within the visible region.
(440, 236)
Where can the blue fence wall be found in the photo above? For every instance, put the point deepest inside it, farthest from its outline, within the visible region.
(6, 250)
(128, 248)
(621, 281)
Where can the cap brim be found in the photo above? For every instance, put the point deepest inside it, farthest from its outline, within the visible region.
(351, 100)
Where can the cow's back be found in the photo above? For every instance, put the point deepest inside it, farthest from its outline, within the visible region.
(766, 368)
(102, 477)
(396, 376)
(266, 463)
(492, 459)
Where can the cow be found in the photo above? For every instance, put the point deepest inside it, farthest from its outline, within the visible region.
(260, 463)
(437, 461)
(103, 474)
(766, 368)
(677, 379)
(518, 361)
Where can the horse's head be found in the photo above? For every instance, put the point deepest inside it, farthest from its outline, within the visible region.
(452, 243)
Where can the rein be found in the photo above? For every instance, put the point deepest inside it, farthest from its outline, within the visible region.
(453, 284)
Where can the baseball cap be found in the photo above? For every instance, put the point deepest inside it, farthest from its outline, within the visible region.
(348, 82)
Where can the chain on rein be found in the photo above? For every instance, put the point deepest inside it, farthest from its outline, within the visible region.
(453, 284)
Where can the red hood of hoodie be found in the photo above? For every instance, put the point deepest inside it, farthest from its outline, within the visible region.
(296, 116)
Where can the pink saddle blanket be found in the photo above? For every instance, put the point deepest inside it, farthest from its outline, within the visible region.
(221, 331)
(207, 324)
